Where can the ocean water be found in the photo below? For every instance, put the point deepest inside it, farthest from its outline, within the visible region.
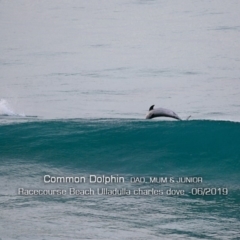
(78, 159)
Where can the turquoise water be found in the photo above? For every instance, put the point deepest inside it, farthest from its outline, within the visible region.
(125, 148)
(77, 79)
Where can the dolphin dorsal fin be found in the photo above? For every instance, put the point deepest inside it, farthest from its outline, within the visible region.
(151, 108)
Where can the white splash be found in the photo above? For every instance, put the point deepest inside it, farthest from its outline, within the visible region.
(6, 110)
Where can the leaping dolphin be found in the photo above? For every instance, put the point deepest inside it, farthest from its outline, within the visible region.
(161, 112)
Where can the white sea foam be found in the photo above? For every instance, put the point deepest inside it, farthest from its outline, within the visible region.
(6, 110)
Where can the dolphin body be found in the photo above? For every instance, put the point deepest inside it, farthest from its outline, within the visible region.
(161, 112)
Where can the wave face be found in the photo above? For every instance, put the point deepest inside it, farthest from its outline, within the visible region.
(206, 148)
(129, 148)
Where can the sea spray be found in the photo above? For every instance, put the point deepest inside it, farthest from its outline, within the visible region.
(5, 108)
